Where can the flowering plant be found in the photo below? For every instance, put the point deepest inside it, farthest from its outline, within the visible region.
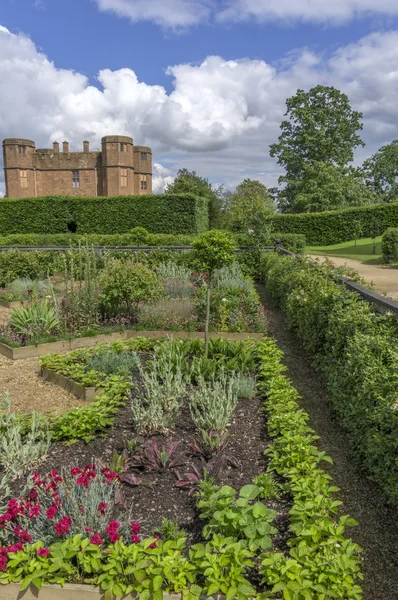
(59, 506)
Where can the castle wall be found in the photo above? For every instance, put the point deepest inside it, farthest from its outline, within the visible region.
(118, 170)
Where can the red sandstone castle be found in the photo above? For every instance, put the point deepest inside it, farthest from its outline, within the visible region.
(121, 169)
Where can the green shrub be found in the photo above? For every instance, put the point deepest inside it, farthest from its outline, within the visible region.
(35, 320)
(389, 245)
(112, 362)
(125, 284)
(213, 402)
(171, 213)
(356, 347)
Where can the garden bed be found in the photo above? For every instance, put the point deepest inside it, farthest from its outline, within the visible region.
(7, 304)
(87, 342)
(84, 393)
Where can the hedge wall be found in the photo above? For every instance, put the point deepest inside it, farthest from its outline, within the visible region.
(333, 227)
(166, 213)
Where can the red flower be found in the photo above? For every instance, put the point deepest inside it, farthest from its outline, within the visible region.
(24, 536)
(75, 471)
(135, 527)
(96, 539)
(53, 473)
(112, 532)
(154, 545)
(33, 494)
(35, 511)
(43, 552)
(88, 529)
(63, 525)
(51, 512)
(135, 539)
(102, 508)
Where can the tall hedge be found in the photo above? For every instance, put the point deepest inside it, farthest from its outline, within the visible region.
(163, 213)
(333, 227)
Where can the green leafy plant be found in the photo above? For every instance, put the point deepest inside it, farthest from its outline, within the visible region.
(35, 320)
(26, 288)
(112, 362)
(170, 530)
(267, 485)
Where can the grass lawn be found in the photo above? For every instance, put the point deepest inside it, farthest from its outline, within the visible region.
(363, 251)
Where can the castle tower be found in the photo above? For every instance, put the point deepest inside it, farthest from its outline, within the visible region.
(117, 165)
(19, 162)
(142, 170)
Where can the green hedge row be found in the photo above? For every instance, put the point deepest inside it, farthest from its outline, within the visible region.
(356, 348)
(171, 213)
(291, 241)
(333, 227)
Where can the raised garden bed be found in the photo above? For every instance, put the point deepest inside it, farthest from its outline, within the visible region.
(84, 393)
(7, 304)
(244, 539)
(87, 342)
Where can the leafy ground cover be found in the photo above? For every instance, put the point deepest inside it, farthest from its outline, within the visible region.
(362, 251)
(263, 519)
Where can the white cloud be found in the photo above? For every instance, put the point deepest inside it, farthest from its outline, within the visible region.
(162, 176)
(167, 13)
(184, 13)
(220, 117)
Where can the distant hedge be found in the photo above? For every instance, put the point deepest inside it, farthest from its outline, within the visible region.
(291, 241)
(333, 227)
(163, 213)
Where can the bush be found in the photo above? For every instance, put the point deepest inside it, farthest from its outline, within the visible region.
(168, 315)
(112, 362)
(35, 320)
(389, 245)
(26, 288)
(357, 350)
(171, 213)
(333, 227)
(125, 284)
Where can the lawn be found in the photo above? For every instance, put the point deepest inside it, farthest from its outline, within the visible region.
(362, 251)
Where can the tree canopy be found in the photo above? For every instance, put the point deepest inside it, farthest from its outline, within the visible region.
(381, 172)
(248, 206)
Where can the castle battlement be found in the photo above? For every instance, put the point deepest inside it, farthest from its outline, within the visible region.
(119, 169)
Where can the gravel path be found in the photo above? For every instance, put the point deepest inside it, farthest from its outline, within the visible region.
(384, 277)
(377, 532)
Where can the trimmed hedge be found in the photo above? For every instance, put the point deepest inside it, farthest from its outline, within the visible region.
(291, 241)
(333, 227)
(356, 348)
(171, 213)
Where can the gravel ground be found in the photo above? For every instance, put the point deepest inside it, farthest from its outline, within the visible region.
(377, 532)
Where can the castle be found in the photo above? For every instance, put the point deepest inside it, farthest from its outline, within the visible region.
(121, 169)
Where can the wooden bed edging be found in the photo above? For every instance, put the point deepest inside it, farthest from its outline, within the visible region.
(87, 342)
(84, 393)
(13, 304)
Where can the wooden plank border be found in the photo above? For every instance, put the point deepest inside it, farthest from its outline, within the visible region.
(84, 393)
(88, 342)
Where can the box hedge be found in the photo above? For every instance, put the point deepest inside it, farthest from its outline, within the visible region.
(389, 245)
(333, 227)
(162, 213)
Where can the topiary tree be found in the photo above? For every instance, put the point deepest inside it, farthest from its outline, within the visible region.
(389, 245)
(212, 250)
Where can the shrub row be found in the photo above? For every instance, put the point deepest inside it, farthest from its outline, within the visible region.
(137, 237)
(333, 227)
(357, 350)
(162, 213)
(389, 245)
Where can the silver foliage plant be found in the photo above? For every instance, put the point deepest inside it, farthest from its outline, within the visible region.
(158, 401)
(20, 451)
(170, 270)
(231, 277)
(213, 402)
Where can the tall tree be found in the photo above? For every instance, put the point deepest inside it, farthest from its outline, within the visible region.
(381, 172)
(321, 127)
(189, 182)
(249, 206)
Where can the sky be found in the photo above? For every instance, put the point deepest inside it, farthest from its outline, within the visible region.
(203, 82)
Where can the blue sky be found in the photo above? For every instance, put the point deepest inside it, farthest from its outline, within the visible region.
(203, 82)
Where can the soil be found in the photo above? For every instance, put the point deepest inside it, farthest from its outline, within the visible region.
(158, 496)
(377, 532)
(384, 277)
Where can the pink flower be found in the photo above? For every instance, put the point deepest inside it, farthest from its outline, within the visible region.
(24, 536)
(88, 529)
(63, 525)
(33, 494)
(96, 539)
(114, 537)
(43, 552)
(51, 512)
(75, 471)
(35, 511)
(112, 532)
(102, 508)
(135, 539)
(135, 527)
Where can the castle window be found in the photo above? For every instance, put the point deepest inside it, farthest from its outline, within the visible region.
(143, 183)
(21, 150)
(144, 155)
(23, 176)
(123, 177)
(75, 179)
(122, 147)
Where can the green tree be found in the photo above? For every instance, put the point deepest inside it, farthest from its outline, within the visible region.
(324, 186)
(190, 182)
(321, 127)
(249, 207)
(212, 250)
(381, 172)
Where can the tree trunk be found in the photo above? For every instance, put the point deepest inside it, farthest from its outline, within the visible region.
(207, 318)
